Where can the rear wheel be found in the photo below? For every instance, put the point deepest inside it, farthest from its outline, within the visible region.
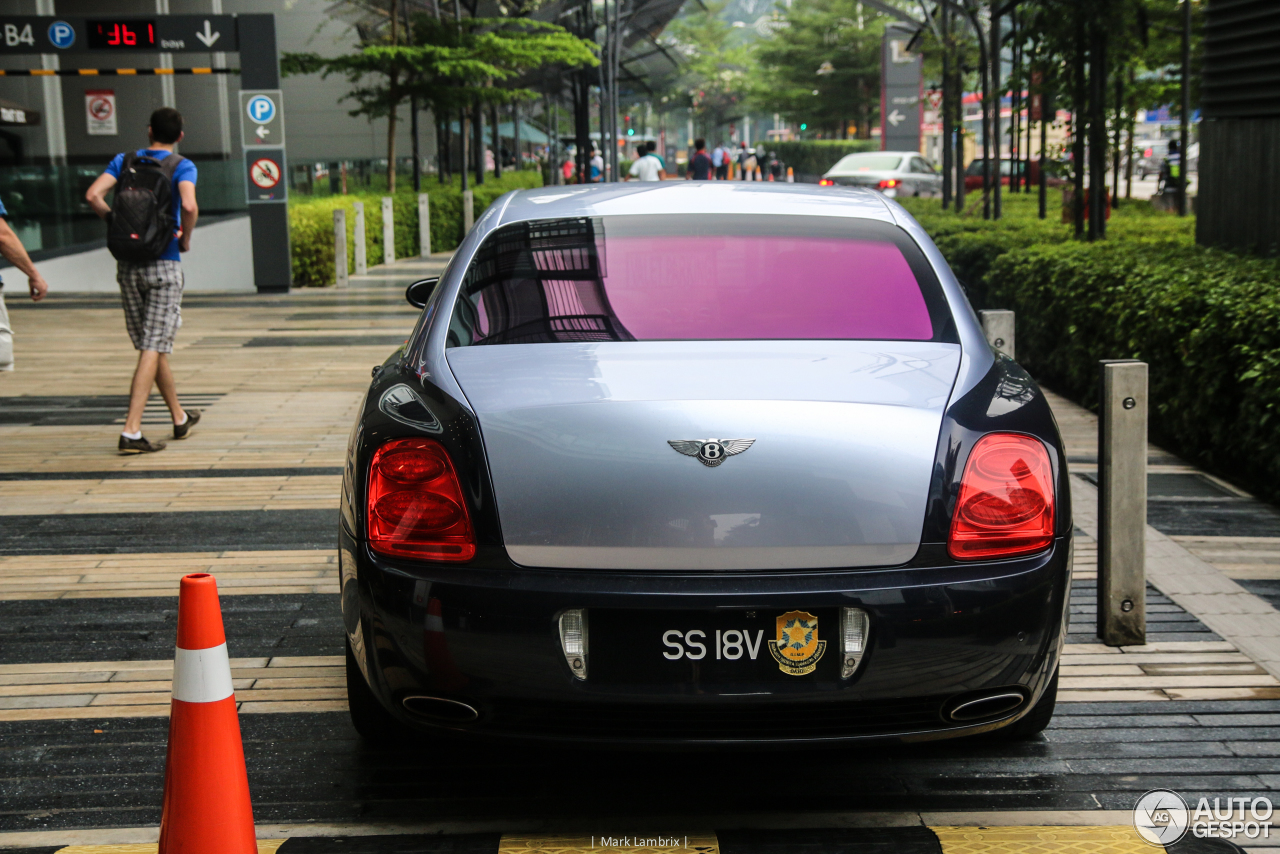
(1034, 722)
(374, 723)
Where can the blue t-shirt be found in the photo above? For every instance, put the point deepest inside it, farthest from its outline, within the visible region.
(3, 212)
(186, 171)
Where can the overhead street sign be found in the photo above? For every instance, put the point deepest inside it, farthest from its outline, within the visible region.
(118, 34)
(261, 118)
(265, 176)
(901, 109)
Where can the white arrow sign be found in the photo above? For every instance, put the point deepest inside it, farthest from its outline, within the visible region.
(896, 118)
(262, 131)
(208, 36)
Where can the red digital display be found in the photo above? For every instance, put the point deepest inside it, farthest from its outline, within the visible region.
(122, 35)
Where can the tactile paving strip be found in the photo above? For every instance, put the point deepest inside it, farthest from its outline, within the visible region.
(1041, 840)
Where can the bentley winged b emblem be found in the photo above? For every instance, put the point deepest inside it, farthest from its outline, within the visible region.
(710, 452)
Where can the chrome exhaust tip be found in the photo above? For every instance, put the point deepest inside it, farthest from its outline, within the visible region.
(986, 706)
(441, 709)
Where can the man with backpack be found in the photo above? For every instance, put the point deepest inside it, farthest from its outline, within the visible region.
(148, 224)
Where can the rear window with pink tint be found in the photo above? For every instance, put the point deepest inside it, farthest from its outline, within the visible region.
(650, 278)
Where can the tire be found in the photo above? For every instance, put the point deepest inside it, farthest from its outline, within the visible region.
(374, 723)
(1035, 721)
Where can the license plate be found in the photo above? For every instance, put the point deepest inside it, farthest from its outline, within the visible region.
(774, 645)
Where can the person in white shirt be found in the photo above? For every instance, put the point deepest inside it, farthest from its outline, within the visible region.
(719, 159)
(646, 167)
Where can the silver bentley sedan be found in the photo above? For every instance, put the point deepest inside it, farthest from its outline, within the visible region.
(701, 463)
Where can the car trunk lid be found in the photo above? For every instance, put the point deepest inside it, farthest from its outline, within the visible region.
(578, 439)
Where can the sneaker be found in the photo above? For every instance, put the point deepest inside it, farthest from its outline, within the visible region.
(139, 446)
(180, 431)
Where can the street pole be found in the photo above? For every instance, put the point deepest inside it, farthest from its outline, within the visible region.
(1184, 173)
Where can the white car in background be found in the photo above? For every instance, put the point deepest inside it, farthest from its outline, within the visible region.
(894, 173)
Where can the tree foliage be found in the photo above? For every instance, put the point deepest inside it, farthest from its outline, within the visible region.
(821, 66)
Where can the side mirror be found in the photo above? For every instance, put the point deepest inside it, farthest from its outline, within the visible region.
(420, 291)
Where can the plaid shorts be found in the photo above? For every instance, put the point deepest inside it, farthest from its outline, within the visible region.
(152, 297)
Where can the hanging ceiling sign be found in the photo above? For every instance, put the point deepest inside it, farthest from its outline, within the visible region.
(901, 107)
(118, 34)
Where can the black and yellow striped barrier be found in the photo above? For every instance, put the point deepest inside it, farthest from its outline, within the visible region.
(110, 72)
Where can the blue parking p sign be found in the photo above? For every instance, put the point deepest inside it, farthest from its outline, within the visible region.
(261, 109)
(62, 35)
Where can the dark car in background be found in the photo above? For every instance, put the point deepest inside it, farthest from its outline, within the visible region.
(1030, 171)
(695, 463)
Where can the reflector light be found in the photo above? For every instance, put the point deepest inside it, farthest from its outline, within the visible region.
(573, 640)
(826, 182)
(1006, 499)
(854, 624)
(415, 504)
(888, 183)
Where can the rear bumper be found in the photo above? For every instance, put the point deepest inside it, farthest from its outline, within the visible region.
(488, 637)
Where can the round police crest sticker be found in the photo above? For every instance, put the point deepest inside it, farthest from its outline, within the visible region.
(1160, 817)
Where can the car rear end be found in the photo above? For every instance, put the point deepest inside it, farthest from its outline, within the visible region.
(665, 477)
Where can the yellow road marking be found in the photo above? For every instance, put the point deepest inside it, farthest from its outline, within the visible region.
(1117, 839)
(704, 843)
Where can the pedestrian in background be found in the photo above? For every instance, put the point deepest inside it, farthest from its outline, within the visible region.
(597, 165)
(700, 165)
(16, 254)
(651, 148)
(646, 167)
(148, 224)
(720, 160)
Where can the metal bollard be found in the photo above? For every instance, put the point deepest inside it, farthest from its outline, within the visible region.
(340, 247)
(388, 232)
(1122, 503)
(362, 263)
(468, 211)
(998, 326)
(424, 226)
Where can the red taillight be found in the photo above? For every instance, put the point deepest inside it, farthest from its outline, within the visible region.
(415, 503)
(826, 182)
(888, 183)
(1006, 499)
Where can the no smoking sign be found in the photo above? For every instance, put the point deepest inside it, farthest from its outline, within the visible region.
(100, 112)
(264, 171)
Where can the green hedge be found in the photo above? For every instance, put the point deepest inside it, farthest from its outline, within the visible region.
(311, 223)
(816, 156)
(1206, 321)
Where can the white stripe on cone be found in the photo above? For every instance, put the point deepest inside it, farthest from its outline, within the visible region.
(202, 675)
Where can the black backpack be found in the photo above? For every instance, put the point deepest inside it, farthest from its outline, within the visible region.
(141, 223)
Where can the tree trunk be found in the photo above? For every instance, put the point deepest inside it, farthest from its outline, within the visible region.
(1077, 123)
(391, 140)
(391, 115)
(497, 142)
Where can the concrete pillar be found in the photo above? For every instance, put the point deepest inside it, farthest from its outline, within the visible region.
(998, 326)
(362, 263)
(224, 98)
(340, 247)
(1122, 503)
(388, 231)
(468, 211)
(168, 95)
(55, 126)
(424, 226)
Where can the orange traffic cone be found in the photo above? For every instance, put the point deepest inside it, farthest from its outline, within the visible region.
(206, 788)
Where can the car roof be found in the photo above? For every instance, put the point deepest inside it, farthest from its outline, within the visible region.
(707, 198)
